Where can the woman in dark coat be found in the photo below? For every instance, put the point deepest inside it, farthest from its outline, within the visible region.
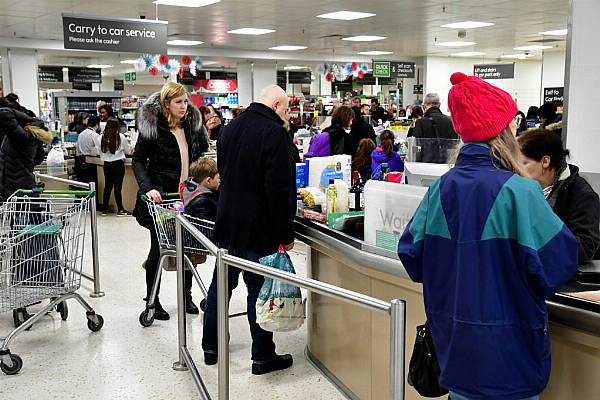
(570, 196)
(170, 131)
(21, 150)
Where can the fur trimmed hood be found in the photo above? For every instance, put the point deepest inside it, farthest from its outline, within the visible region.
(149, 114)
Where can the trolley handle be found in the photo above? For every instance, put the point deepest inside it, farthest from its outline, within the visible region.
(164, 195)
(37, 192)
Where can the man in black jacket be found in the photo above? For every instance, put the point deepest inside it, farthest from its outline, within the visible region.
(257, 204)
(434, 129)
(360, 130)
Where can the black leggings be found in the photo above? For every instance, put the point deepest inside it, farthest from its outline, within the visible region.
(114, 173)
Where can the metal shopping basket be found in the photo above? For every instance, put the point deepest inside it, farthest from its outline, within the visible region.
(163, 215)
(41, 257)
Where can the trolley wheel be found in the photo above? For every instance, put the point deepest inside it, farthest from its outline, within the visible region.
(63, 309)
(145, 319)
(17, 364)
(20, 315)
(93, 326)
(203, 305)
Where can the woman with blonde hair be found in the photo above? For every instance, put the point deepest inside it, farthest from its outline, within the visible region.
(171, 137)
(489, 251)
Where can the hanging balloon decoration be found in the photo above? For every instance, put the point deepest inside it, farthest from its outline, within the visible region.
(195, 65)
(153, 71)
(163, 59)
(186, 60)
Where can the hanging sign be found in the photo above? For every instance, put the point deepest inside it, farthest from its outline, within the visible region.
(78, 85)
(388, 81)
(418, 89)
(403, 69)
(130, 76)
(114, 34)
(119, 84)
(554, 94)
(85, 75)
(366, 80)
(381, 69)
(50, 74)
(494, 71)
(216, 85)
(282, 79)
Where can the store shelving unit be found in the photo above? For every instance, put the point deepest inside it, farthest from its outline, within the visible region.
(129, 106)
(68, 103)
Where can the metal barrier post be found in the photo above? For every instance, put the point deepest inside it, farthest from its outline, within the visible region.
(95, 259)
(182, 332)
(223, 324)
(397, 349)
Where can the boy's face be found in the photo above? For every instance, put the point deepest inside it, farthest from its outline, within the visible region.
(212, 183)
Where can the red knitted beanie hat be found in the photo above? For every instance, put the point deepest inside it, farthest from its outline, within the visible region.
(480, 111)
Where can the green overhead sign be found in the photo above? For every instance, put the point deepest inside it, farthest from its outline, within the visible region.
(130, 76)
(381, 69)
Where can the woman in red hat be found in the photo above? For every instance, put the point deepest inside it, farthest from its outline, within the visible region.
(489, 251)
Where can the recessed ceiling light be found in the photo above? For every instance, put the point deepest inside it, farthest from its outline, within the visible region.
(520, 56)
(294, 67)
(209, 62)
(346, 15)
(455, 44)
(559, 32)
(287, 48)
(468, 54)
(179, 42)
(364, 38)
(467, 25)
(130, 61)
(375, 53)
(251, 31)
(532, 47)
(186, 3)
(101, 66)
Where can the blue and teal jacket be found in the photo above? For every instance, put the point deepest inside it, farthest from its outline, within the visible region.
(489, 250)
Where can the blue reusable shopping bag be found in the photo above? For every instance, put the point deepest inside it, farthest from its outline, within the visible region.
(279, 306)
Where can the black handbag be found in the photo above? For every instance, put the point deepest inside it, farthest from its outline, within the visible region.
(424, 369)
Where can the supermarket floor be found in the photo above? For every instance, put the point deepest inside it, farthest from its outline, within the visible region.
(64, 360)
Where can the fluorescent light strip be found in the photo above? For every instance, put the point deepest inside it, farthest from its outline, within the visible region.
(467, 25)
(533, 47)
(520, 56)
(558, 32)
(180, 42)
(346, 15)
(455, 44)
(375, 53)
(130, 61)
(251, 31)
(186, 3)
(364, 38)
(294, 67)
(101, 66)
(468, 54)
(287, 48)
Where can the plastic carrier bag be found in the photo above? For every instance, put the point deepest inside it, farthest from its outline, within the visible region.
(279, 306)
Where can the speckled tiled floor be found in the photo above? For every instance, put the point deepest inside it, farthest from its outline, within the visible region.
(64, 360)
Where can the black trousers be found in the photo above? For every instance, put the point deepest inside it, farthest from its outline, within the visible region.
(86, 173)
(152, 266)
(114, 173)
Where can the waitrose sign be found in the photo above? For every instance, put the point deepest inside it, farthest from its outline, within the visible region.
(118, 35)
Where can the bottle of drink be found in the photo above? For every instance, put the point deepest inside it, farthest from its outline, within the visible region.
(331, 197)
(384, 172)
(356, 193)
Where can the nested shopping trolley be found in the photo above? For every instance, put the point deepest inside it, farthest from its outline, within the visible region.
(42, 236)
(163, 214)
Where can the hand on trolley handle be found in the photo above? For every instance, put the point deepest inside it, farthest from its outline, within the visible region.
(155, 196)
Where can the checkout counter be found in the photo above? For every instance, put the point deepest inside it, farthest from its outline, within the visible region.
(350, 344)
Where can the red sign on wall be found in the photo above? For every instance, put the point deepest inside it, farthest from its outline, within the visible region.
(216, 85)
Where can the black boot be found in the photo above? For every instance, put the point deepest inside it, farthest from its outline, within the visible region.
(159, 312)
(277, 364)
(190, 307)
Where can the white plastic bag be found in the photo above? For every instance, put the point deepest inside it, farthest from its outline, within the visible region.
(279, 306)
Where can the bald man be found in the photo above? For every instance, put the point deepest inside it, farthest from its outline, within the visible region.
(257, 204)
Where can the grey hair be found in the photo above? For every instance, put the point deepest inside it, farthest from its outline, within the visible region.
(432, 99)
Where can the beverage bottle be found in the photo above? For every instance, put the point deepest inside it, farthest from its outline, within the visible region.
(356, 193)
(331, 195)
(384, 172)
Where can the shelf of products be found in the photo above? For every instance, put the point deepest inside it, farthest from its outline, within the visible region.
(221, 100)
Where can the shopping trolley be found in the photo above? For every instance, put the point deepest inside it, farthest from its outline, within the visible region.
(41, 257)
(163, 215)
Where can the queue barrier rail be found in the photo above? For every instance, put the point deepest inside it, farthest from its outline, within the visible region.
(95, 277)
(396, 309)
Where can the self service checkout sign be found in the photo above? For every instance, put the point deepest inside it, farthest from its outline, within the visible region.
(114, 34)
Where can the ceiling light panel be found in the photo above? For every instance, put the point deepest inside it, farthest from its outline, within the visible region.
(251, 31)
(287, 48)
(180, 42)
(468, 54)
(130, 61)
(294, 67)
(455, 44)
(364, 38)
(186, 3)
(468, 25)
(101, 66)
(533, 47)
(558, 32)
(346, 15)
(375, 53)
(520, 56)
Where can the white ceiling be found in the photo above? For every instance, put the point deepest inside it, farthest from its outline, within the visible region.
(412, 27)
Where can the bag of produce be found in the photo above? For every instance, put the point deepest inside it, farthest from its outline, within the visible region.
(279, 306)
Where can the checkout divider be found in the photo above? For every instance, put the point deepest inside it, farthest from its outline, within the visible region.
(396, 309)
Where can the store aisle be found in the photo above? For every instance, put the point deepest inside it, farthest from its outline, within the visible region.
(125, 361)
